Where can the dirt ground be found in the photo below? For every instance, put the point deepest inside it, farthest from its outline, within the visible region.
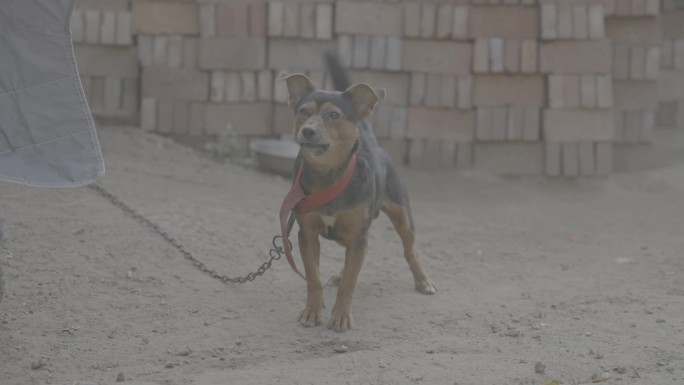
(538, 280)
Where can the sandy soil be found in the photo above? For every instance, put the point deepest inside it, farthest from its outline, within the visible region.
(538, 280)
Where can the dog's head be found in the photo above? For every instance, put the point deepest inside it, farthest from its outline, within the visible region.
(326, 122)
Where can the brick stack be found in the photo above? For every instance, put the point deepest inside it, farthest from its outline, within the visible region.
(575, 58)
(105, 52)
(634, 28)
(670, 112)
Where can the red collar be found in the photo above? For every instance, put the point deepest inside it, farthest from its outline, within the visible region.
(297, 200)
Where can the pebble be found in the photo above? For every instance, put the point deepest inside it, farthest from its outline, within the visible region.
(539, 368)
(660, 321)
(120, 377)
(512, 333)
(185, 352)
(37, 365)
(600, 377)
(340, 348)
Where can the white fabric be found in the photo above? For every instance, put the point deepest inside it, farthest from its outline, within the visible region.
(47, 134)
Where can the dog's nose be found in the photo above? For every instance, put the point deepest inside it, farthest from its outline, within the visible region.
(308, 132)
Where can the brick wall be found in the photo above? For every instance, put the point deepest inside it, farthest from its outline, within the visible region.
(516, 87)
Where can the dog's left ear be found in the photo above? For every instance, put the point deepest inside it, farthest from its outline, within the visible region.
(298, 85)
(364, 98)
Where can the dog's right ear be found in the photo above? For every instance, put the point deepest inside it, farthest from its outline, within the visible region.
(298, 85)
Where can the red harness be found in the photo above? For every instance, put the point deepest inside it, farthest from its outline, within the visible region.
(297, 200)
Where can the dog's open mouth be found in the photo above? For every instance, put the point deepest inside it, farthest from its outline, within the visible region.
(315, 148)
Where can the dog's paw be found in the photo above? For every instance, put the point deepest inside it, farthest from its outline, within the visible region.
(341, 321)
(334, 280)
(311, 316)
(426, 287)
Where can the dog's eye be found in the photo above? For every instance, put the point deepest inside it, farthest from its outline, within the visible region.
(304, 112)
(333, 115)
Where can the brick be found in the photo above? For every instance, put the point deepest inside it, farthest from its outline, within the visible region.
(638, 7)
(609, 7)
(564, 21)
(280, 94)
(597, 28)
(652, 7)
(418, 88)
(496, 55)
(107, 61)
(217, 86)
(428, 19)
(123, 28)
(483, 129)
(159, 50)
(579, 57)
(257, 20)
(92, 27)
(431, 155)
(129, 102)
(672, 26)
(241, 20)
(412, 19)
(219, 53)
(276, 19)
(465, 92)
(433, 90)
(165, 18)
(570, 155)
(207, 20)
(679, 54)
(637, 63)
(529, 56)
(345, 50)
(112, 94)
(440, 124)
(77, 26)
(512, 56)
(631, 127)
(667, 55)
(549, 21)
(588, 91)
(532, 127)
(148, 114)
(233, 87)
(447, 154)
(264, 85)
(396, 85)
(189, 52)
(394, 54)
(144, 50)
(368, 18)
(620, 61)
(378, 45)
(647, 126)
(587, 161)
(196, 119)
(248, 81)
(652, 67)
(580, 22)
(604, 91)
(481, 56)
(500, 90)
(382, 120)
(464, 155)
(291, 20)
(509, 159)
(399, 123)
(445, 14)
(97, 92)
(436, 56)
(324, 21)
(556, 92)
(671, 85)
(635, 95)
(576, 125)
(174, 53)
(622, 8)
(499, 120)
(307, 17)
(448, 88)
(245, 118)
(459, 28)
(181, 116)
(515, 123)
(179, 83)
(361, 53)
(552, 159)
(572, 91)
(634, 31)
(164, 116)
(108, 27)
(500, 21)
(416, 153)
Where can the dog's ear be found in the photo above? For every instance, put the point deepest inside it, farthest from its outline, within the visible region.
(364, 98)
(298, 85)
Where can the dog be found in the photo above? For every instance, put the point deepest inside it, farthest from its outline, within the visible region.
(330, 128)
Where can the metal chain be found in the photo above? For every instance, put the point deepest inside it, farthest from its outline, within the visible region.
(275, 253)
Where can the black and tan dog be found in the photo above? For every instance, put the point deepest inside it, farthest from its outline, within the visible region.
(330, 127)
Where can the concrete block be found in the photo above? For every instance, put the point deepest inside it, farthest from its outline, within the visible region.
(499, 123)
(257, 20)
(459, 28)
(501, 90)
(496, 55)
(565, 21)
(635, 95)
(249, 86)
(130, 96)
(509, 159)
(637, 63)
(620, 61)
(219, 53)
(503, 21)
(276, 18)
(108, 28)
(577, 57)
(251, 119)
(378, 46)
(448, 87)
(552, 159)
(148, 114)
(529, 56)
(368, 18)
(397, 150)
(597, 28)
(464, 155)
(103, 61)
(175, 83)
(428, 20)
(652, 67)
(587, 159)
(481, 56)
(165, 116)
(394, 54)
(512, 56)
(156, 17)
(124, 26)
(345, 50)
(447, 154)
(445, 14)
(570, 155)
(465, 92)
(412, 19)
(324, 21)
(440, 124)
(436, 56)
(399, 123)
(196, 119)
(395, 84)
(634, 31)
(361, 55)
(576, 125)
(112, 93)
(532, 124)
(302, 55)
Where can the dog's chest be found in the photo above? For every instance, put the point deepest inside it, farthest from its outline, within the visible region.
(328, 226)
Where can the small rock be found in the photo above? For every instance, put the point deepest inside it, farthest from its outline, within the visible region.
(600, 377)
(539, 368)
(660, 321)
(170, 365)
(37, 365)
(185, 352)
(120, 377)
(512, 333)
(340, 348)
(430, 351)
(621, 370)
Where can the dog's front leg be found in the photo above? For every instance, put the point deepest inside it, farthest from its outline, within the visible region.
(310, 248)
(354, 255)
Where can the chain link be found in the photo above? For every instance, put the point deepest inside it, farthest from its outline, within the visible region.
(275, 253)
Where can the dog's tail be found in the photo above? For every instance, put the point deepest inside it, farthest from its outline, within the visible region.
(338, 74)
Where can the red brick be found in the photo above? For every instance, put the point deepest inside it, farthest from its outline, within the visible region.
(552, 159)
(578, 57)
(515, 159)
(570, 159)
(672, 26)
(257, 20)
(368, 18)
(219, 53)
(156, 17)
(440, 124)
(448, 92)
(638, 7)
(504, 21)
(578, 125)
(174, 53)
(177, 83)
(437, 56)
(245, 118)
(501, 90)
(144, 50)
(283, 119)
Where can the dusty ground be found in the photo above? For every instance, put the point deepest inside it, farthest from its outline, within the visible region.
(582, 277)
